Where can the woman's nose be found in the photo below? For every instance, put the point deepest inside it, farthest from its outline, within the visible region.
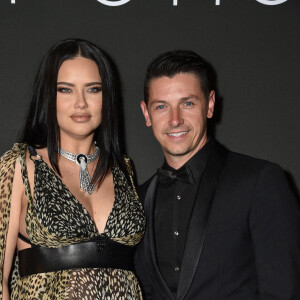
(80, 101)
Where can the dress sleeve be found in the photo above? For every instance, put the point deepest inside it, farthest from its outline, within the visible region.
(130, 173)
(275, 229)
(7, 170)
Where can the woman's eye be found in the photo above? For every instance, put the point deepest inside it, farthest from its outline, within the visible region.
(95, 89)
(64, 90)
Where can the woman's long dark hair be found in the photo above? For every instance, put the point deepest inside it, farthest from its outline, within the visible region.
(41, 127)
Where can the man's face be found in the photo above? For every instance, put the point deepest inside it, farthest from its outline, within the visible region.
(177, 111)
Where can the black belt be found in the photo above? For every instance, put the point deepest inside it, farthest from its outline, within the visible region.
(101, 252)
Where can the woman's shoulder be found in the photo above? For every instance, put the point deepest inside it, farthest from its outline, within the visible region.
(8, 165)
(129, 163)
(10, 156)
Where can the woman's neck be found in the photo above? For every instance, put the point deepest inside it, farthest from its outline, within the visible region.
(85, 146)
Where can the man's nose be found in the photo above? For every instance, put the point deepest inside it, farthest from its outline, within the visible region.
(176, 118)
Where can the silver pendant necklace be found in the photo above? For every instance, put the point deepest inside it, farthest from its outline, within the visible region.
(82, 160)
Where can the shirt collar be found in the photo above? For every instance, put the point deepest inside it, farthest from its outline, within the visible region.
(197, 162)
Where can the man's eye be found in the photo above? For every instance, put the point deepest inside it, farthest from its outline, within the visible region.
(95, 89)
(188, 104)
(160, 107)
(64, 90)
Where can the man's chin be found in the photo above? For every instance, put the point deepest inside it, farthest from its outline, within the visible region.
(177, 152)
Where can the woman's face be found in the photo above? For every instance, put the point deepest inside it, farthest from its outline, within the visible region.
(79, 98)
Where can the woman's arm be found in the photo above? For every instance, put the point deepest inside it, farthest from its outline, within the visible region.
(18, 192)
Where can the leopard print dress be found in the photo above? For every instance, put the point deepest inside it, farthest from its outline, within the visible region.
(55, 218)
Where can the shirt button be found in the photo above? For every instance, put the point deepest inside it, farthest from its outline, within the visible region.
(178, 197)
(176, 269)
(176, 233)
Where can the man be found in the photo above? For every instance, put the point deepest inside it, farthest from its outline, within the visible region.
(221, 225)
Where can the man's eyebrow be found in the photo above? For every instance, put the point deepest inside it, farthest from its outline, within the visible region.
(182, 99)
(189, 98)
(158, 101)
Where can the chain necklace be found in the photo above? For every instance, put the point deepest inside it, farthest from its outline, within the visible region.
(82, 160)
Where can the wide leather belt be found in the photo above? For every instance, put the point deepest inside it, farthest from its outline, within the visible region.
(101, 252)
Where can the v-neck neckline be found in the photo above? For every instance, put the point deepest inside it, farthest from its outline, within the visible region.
(75, 200)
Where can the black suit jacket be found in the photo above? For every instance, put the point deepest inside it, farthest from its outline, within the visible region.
(243, 240)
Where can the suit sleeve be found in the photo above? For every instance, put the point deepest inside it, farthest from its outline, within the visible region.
(142, 272)
(274, 222)
(143, 250)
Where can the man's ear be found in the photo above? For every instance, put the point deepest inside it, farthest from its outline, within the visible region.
(211, 104)
(145, 113)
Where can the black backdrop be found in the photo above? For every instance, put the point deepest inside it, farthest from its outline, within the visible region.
(253, 45)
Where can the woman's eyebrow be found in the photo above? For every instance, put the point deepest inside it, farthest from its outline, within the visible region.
(66, 83)
(72, 85)
(93, 83)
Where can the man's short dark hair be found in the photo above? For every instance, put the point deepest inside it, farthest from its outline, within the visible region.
(174, 62)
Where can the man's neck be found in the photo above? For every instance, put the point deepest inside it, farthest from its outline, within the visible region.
(177, 161)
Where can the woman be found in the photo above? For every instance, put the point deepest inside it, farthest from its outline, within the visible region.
(68, 202)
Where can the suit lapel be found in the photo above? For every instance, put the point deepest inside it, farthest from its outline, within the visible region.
(199, 218)
(152, 266)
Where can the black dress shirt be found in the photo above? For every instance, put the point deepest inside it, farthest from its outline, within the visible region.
(173, 207)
